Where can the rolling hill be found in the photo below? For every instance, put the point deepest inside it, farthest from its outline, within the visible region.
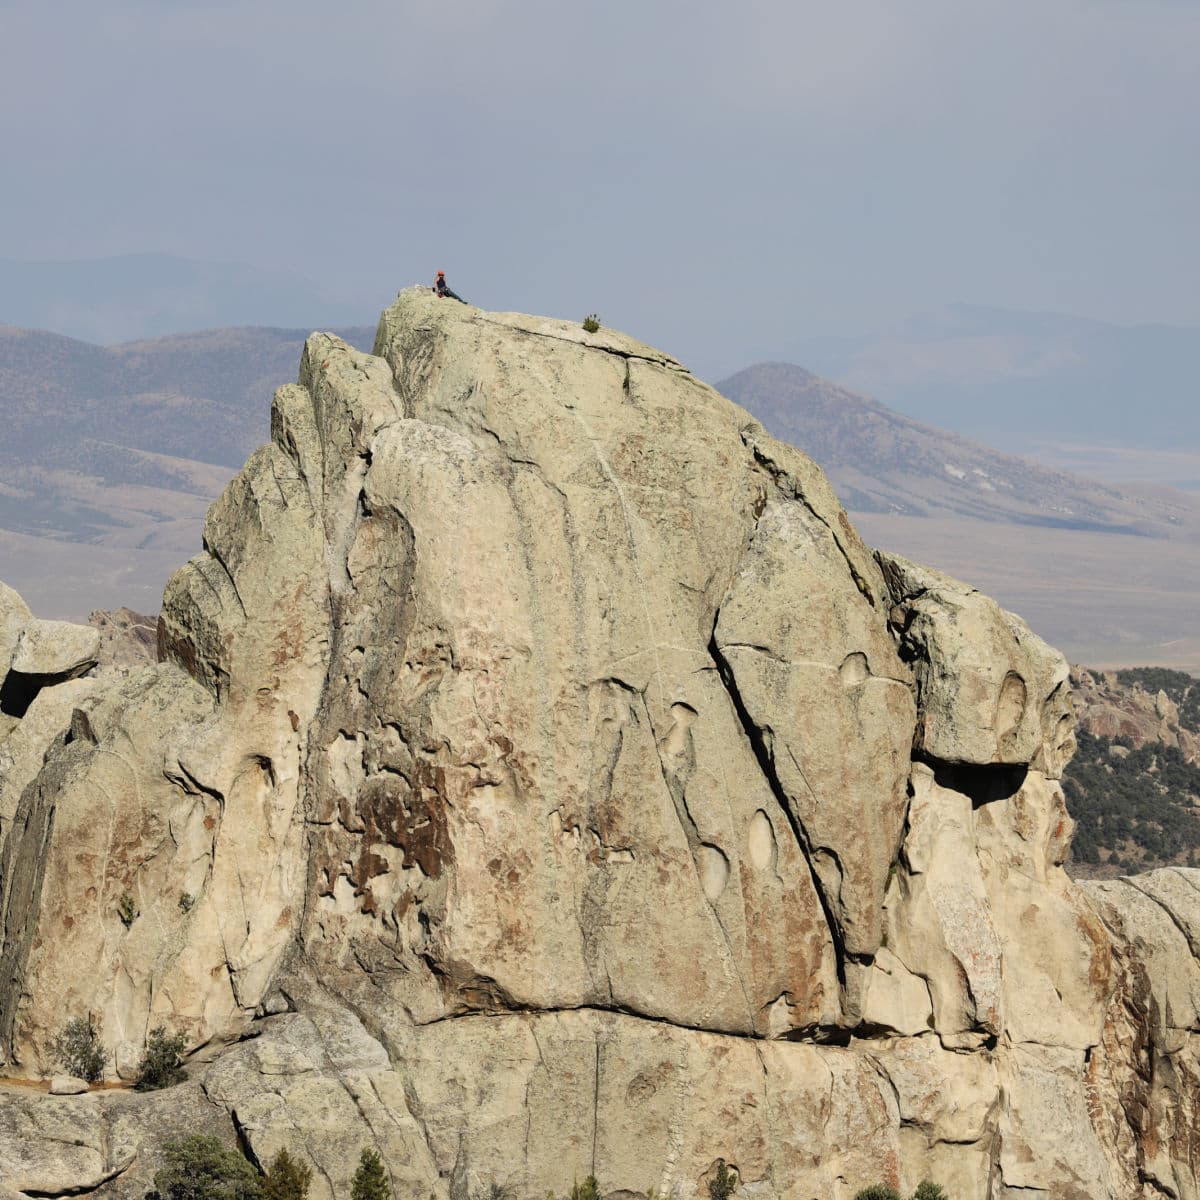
(881, 461)
(113, 454)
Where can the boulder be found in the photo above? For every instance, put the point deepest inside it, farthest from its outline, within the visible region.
(23, 751)
(68, 1085)
(989, 690)
(14, 616)
(55, 650)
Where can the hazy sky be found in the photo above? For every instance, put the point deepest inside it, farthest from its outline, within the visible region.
(716, 177)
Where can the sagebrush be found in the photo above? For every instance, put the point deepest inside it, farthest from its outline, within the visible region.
(161, 1064)
(79, 1050)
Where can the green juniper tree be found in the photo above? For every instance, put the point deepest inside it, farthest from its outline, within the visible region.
(370, 1181)
(200, 1168)
(286, 1179)
(723, 1184)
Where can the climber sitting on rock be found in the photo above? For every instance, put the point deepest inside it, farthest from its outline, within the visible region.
(442, 288)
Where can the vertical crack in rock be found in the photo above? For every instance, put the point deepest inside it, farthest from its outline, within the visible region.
(790, 487)
(689, 828)
(766, 765)
(399, 688)
(1189, 938)
(219, 559)
(596, 1102)
(22, 874)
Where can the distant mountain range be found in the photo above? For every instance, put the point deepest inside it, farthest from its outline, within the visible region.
(1022, 376)
(111, 455)
(148, 295)
(880, 461)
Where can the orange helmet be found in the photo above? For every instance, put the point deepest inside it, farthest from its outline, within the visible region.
(440, 274)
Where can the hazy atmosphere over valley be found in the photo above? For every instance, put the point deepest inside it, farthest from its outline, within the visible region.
(899, 199)
(700, 702)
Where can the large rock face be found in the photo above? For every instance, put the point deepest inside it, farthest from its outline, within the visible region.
(540, 778)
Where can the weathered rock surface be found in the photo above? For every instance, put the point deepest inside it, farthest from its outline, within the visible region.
(55, 650)
(14, 616)
(128, 639)
(41, 669)
(540, 778)
(68, 1085)
(989, 690)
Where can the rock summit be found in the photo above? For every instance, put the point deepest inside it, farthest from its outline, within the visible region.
(540, 778)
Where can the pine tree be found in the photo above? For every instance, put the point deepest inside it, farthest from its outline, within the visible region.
(286, 1179)
(371, 1179)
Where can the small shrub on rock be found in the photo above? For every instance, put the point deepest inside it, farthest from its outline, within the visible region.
(79, 1050)
(161, 1066)
(929, 1191)
(494, 1191)
(723, 1184)
(877, 1191)
(200, 1168)
(589, 1189)
(127, 909)
(370, 1181)
(591, 323)
(286, 1179)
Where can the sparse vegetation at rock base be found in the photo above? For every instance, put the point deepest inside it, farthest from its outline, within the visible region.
(161, 1066)
(79, 1050)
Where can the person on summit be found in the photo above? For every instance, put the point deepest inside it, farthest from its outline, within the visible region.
(442, 288)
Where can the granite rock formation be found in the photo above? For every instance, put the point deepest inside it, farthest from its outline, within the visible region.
(539, 778)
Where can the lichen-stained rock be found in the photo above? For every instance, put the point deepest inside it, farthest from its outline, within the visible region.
(1057, 972)
(100, 823)
(531, 1100)
(989, 690)
(1145, 1076)
(23, 751)
(1047, 1144)
(982, 910)
(59, 1144)
(106, 1143)
(549, 795)
(949, 1105)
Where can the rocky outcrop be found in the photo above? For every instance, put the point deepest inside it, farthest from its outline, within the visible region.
(1108, 708)
(46, 668)
(540, 778)
(1148, 1061)
(989, 690)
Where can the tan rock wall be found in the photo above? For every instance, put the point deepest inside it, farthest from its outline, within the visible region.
(544, 772)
